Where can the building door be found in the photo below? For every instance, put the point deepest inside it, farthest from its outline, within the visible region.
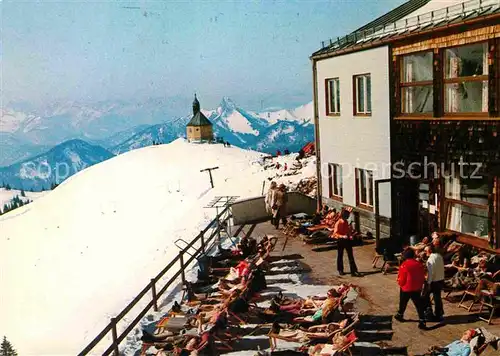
(405, 208)
(426, 202)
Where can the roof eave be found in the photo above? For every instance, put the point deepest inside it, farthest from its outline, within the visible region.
(386, 41)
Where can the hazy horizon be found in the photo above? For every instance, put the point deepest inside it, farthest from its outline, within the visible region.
(257, 53)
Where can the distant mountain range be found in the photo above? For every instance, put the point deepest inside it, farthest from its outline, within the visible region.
(27, 135)
(54, 166)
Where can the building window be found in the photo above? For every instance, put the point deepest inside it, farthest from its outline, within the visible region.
(333, 97)
(335, 181)
(466, 79)
(364, 188)
(362, 95)
(416, 84)
(466, 202)
(190, 130)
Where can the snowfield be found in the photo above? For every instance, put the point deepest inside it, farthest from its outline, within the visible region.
(6, 196)
(78, 255)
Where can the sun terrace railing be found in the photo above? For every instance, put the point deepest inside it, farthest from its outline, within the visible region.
(451, 13)
(200, 244)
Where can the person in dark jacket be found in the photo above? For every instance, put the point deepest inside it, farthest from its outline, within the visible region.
(411, 279)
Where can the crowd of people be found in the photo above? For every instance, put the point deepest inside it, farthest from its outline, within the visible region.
(229, 285)
(225, 295)
(437, 263)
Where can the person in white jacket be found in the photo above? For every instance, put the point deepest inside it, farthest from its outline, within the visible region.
(435, 282)
(269, 199)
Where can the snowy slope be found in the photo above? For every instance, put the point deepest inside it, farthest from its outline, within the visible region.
(303, 115)
(283, 135)
(7, 195)
(79, 254)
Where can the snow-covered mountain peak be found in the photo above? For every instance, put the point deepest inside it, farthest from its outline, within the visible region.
(227, 104)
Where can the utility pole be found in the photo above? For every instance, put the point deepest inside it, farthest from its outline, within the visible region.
(210, 174)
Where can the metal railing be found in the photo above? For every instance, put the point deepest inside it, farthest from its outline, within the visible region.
(450, 13)
(204, 238)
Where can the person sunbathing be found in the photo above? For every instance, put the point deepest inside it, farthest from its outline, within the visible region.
(328, 306)
(457, 348)
(465, 277)
(419, 247)
(193, 346)
(490, 283)
(322, 331)
(338, 342)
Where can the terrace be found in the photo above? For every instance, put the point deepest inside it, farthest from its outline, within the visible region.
(378, 298)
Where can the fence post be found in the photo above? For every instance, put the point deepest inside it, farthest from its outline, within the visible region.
(202, 236)
(155, 297)
(114, 334)
(218, 225)
(183, 274)
(228, 221)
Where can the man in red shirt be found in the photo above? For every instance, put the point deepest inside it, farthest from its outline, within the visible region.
(342, 233)
(411, 279)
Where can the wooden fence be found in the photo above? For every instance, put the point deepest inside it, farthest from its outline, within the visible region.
(205, 237)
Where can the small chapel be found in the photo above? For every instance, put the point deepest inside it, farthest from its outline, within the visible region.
(199, 128)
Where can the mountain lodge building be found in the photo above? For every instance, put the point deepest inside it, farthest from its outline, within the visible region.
(199, 128)
(417, 89)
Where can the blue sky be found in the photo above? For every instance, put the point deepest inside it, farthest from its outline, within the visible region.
(256, 52)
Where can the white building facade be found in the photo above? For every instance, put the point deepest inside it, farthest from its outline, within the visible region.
(354, 133)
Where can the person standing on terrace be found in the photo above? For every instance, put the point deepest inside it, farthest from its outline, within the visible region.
(411, 279)
(435, 282)
(341, 232)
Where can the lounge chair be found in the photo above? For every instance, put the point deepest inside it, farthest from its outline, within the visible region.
(298, 335)
(330, 350)
(478, 344)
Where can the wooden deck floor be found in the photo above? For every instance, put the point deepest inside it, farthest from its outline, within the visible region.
(379, 297)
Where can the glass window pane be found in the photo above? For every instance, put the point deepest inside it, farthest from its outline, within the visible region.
(417, 99)
(417, 67)
(338, 180)
(339, 170)
(360, 94)
(472, 190)
(362, 180)
(370, 187)
(331, 91)
(466, 61)
(368, 93)
(337, 96)
(466, 97)
(468, 220)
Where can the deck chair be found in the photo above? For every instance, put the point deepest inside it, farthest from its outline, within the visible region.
(337, 307)
(470, 291)
(329, 350)
(273, 337)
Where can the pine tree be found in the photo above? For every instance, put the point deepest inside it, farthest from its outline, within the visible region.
(7, 187)
(6, 349)
(23, 193)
